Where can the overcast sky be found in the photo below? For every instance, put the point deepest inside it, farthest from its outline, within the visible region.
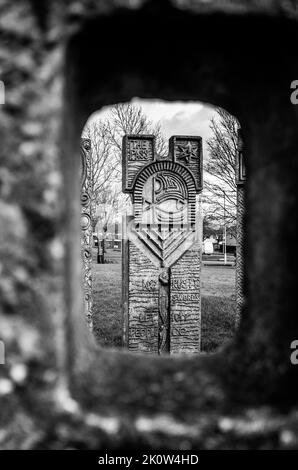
(190, 118)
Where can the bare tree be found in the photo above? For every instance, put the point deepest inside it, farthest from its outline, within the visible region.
(104, 165)
(107, 205)
(219, 195)
(129, 119)
(106, 148)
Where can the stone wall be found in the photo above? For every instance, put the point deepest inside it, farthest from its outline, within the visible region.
(53, 82)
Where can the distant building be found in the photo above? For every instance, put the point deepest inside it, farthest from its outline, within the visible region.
(208, 248)
(231, 243)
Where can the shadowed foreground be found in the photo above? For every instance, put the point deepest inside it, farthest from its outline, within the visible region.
(184, 406)
(230, 400)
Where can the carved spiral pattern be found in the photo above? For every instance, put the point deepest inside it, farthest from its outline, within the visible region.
(85, 199)
(86, 229)
(85, 221)
(87, 254)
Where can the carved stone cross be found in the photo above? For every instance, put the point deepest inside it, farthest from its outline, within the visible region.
(161, 250)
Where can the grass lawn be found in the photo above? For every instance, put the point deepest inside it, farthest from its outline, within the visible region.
(218, 304)
(107, 303)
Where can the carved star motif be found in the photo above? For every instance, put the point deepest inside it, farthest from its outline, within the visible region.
(187, 152)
